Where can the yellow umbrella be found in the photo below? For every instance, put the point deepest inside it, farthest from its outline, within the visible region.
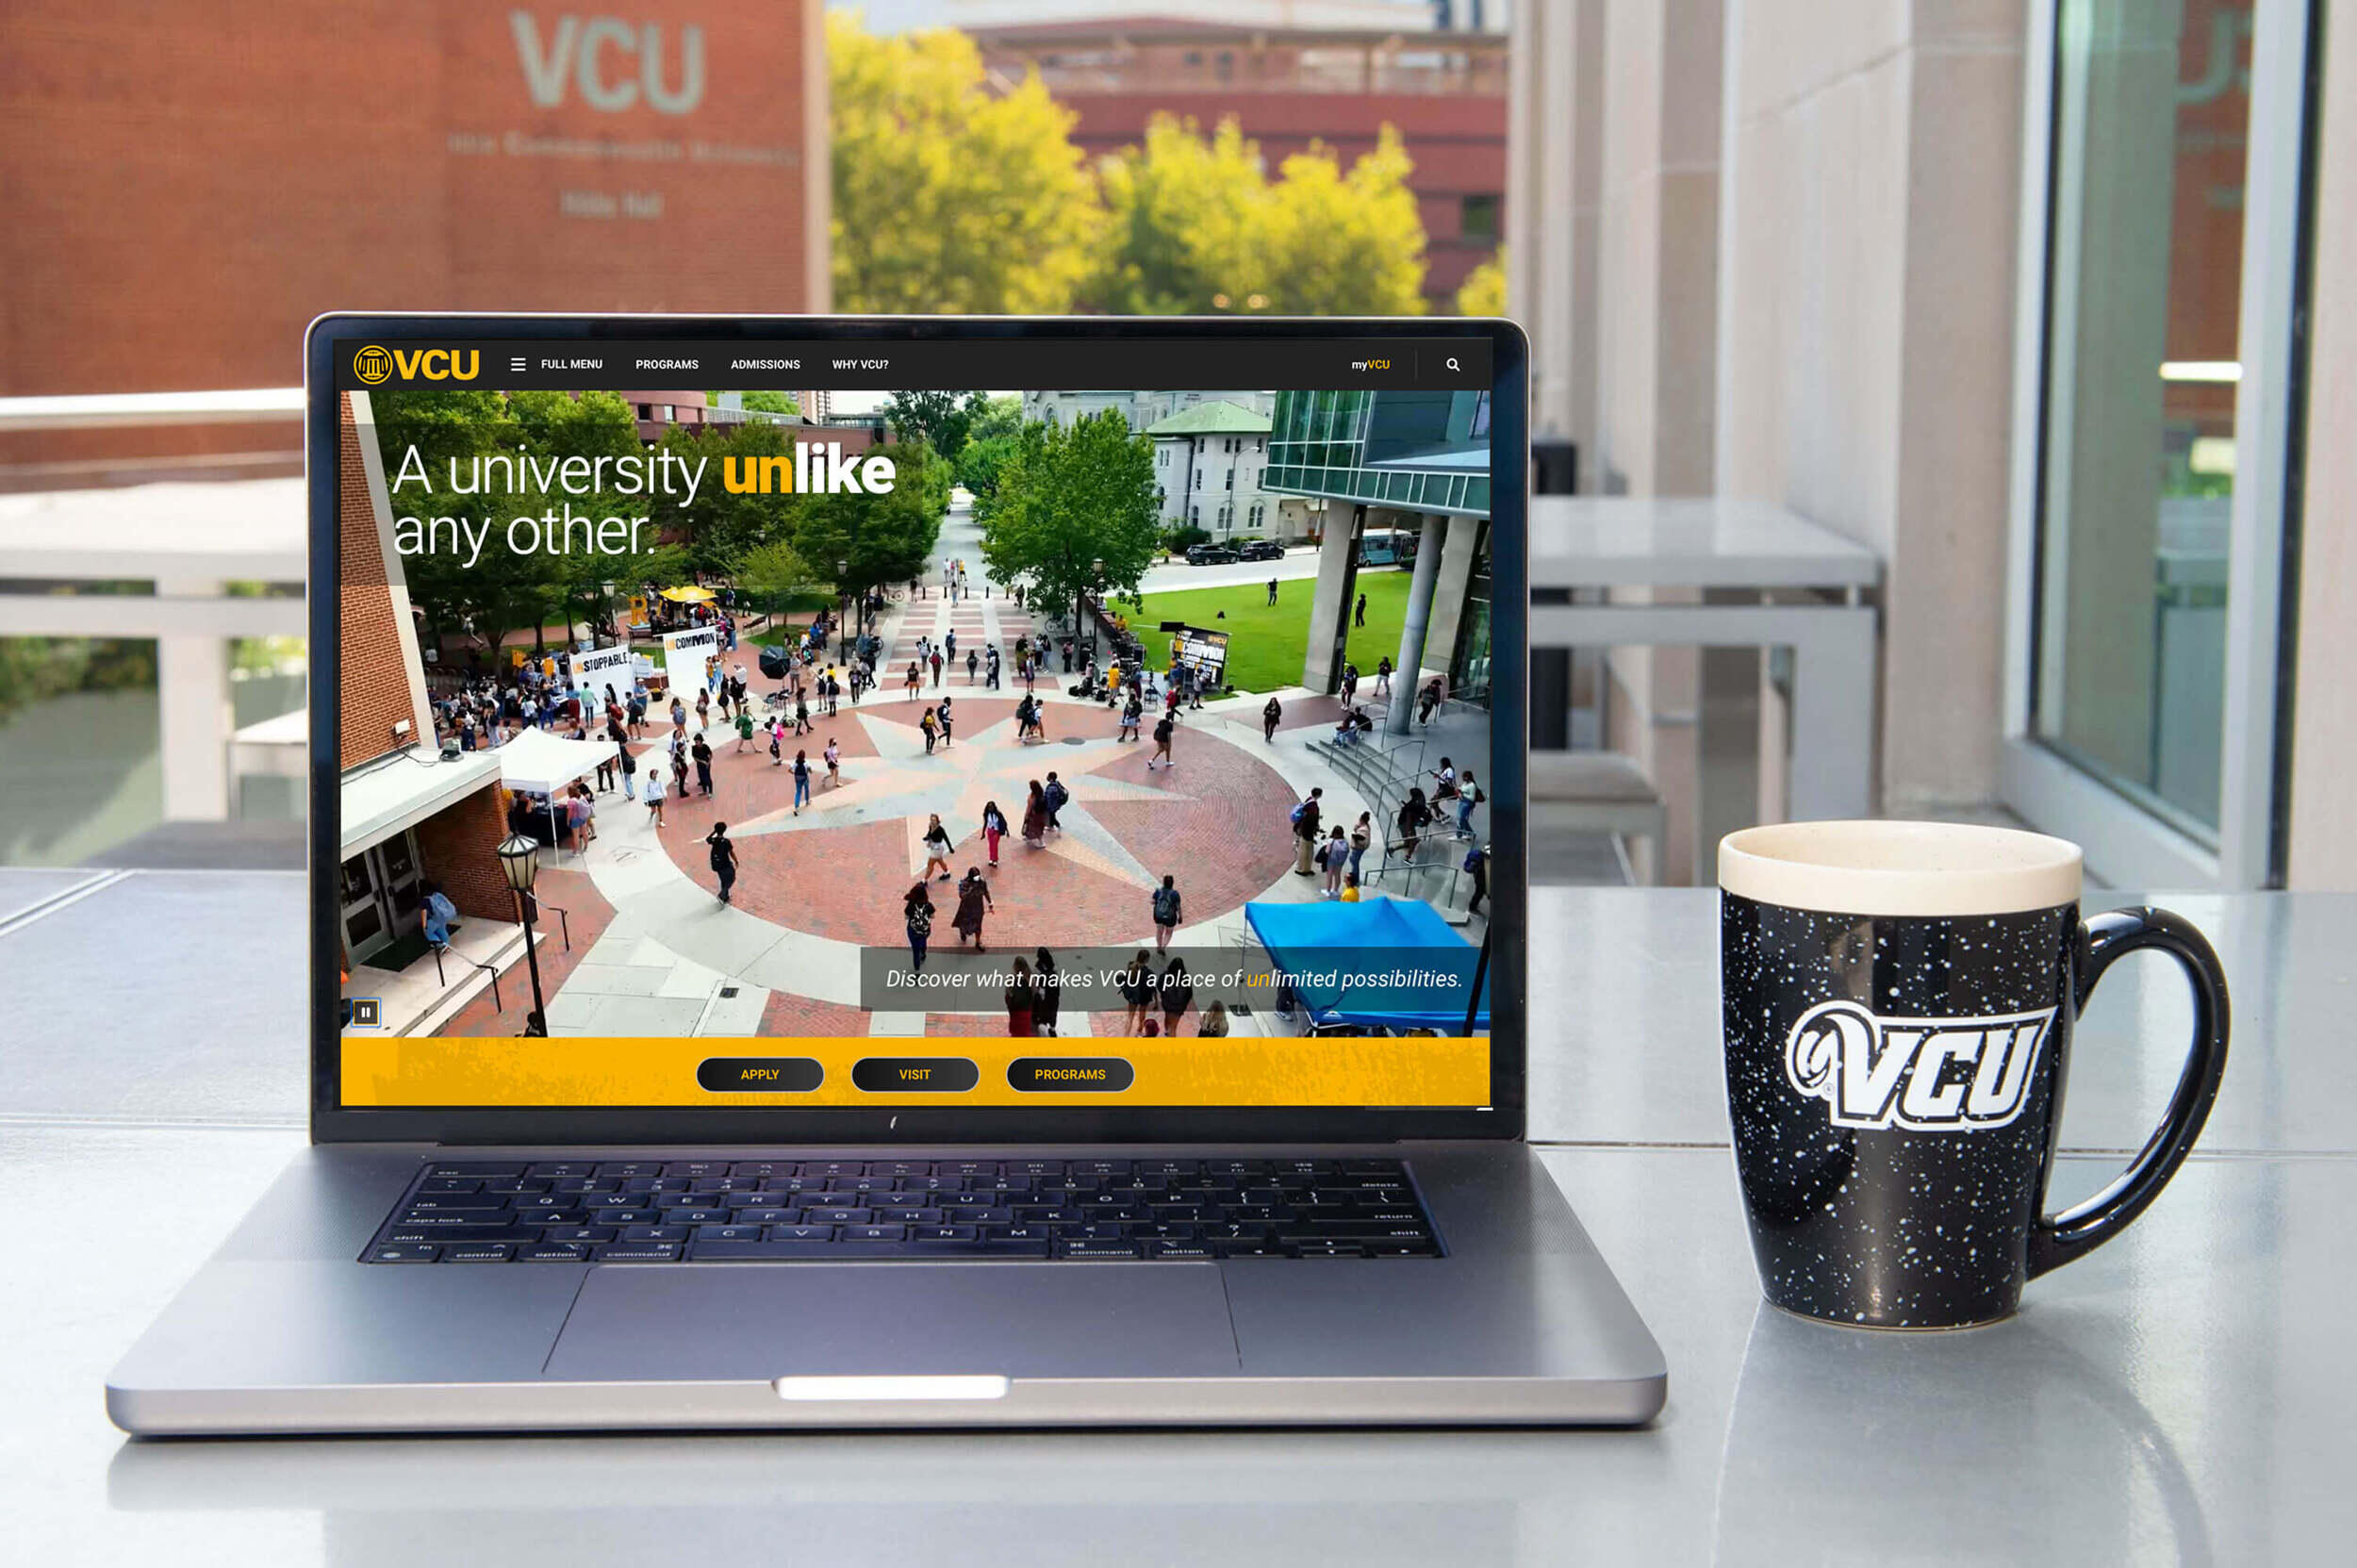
(689, 595)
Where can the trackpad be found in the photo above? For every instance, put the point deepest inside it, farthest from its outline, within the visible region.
(1018, 1320)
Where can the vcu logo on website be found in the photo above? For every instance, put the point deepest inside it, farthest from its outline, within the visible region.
(376, 365)
(1929, 1075)
(373, 365)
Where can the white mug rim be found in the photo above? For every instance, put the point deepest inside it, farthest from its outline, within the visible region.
(1885, 867)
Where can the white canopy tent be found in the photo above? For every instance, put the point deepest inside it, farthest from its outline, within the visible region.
(539, 761)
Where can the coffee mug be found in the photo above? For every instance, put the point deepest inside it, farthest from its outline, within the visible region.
(1898, 1000)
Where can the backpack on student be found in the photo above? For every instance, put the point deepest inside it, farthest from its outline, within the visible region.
(1165, 906)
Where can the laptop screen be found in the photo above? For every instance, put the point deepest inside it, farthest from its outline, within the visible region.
(1054, 722)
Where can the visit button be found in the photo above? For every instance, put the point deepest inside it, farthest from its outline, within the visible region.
(915, 1074)
(1098, 1074)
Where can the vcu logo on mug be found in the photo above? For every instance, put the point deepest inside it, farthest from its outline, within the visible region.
(1929, 1075)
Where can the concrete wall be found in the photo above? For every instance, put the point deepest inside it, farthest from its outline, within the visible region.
(1867, 236)
(2323, 850)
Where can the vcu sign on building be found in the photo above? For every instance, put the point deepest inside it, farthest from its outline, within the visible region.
(190, 185)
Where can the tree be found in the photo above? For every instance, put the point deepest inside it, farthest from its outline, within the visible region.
(722, 524)
(1337, 244)
(1483, 292)
(980, 464)
(1068, 496)
(937, 419)
(885, 537)
(1183, 213)
(948, 196)
(1002, 416)
(1199, 227)
(773, 402)
(770, 571)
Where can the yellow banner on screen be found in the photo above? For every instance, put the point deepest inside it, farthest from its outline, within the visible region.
(428, 1070)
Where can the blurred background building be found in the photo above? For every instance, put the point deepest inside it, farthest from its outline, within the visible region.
(2038, 308)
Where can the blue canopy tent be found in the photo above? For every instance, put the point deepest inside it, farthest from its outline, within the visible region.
(1379, 964)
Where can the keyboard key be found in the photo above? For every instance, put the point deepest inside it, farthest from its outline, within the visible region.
(1247, 1250)
(562, 1167)
(426, 1203)
(468, 1169)
(728, 1232)
(1181, 1251)
(848, 1251)
(944, 1232)
(870, 1234)
(657, 1232)
(1402, 1249)
(1326, 1249)
(1096, 1249)
(475, 1252)
(637, 1253)
(627, 1168)
(583, 1234)
(764, 1168)
(692, 1168)
(801, 1233)
(552, 1252)
(404, 1252)
(695, 1216)
(815, 1215)
(449, 1184)
(455, 1234)
(765, 1216)
(624, 1216)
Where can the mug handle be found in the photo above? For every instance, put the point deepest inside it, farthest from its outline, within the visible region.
(2057, 1239)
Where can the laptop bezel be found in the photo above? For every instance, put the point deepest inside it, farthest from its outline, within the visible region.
(1502, 1118)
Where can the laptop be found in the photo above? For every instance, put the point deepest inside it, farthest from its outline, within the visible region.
(911, 872)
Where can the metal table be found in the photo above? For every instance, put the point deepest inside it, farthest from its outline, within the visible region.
(1718, 544)
(2181, 1397)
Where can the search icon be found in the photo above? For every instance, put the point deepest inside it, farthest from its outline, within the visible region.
(1455, 365)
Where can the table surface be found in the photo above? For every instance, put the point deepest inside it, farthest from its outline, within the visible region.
(1697, 542)
(2183, 1395)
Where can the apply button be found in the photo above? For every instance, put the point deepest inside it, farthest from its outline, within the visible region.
(914, 1075)
(756, 1075)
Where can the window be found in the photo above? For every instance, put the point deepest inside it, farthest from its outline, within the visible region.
(646, 410)
(1477, 219)
(2144, 262)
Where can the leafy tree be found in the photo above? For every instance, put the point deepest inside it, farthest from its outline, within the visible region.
(1337, 244)
(766, 401)
(722, 525)
(885, 537)
(1483, 292)
(1186, 536)
(770, 571)
(937, 419)
(1002, 416)
(1070, 496)
(1183, 211)
(950, 196)
(980, 464)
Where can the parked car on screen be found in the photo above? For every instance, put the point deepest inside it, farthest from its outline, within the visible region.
(1262, 550)
(1211, 554)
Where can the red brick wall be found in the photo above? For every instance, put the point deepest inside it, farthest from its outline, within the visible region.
(459, 847)
(188, 185)
(374, 678)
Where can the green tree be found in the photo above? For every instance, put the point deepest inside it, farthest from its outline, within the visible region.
(1337, 244)
(722, 525)
(999, 416)
(1068, 496)
(770, 571)
(885, 539)
(773, 402)
(1183, 209)
(980, 464)
(950, 196)
(940, 419)
(1483, 292)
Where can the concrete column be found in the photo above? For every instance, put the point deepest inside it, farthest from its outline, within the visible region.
(1409, 663)
(1330, 610)
(1448, 598)
(193, 717)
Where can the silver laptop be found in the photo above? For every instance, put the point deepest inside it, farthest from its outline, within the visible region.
(911, 872)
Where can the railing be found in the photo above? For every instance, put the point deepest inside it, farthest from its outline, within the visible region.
(438, 949)
(564, 924)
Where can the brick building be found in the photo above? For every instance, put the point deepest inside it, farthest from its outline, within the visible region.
(1287, 87)
(409, 816)
(190, 185)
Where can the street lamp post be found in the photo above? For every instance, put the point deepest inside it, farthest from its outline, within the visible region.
(843, 577)
(608, 588)
(520, 862)
(1096, 578)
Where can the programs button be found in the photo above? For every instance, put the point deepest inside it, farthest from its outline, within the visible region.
(1041, 1075)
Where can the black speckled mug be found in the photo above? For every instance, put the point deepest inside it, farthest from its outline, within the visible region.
(1898, 1000)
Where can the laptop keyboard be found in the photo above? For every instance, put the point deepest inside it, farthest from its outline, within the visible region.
(769, 1211)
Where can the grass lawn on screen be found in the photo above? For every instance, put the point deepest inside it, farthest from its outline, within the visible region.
(1267, 643)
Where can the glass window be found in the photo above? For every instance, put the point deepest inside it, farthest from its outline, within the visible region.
(2145, 266)
(1477, 219)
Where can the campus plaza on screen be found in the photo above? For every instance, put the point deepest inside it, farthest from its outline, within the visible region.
(803, 737)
